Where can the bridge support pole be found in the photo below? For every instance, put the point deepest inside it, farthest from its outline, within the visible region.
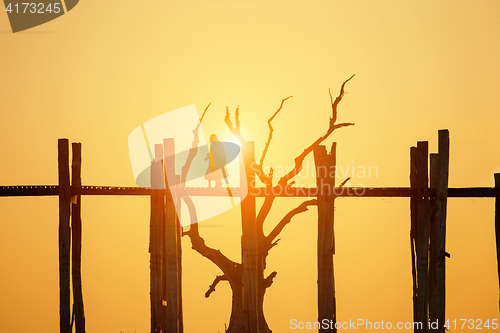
(437, 250)
(64, 235)
(171, 286)
(249, 243)
(165, 264)
(325, 186)
(76, 232)
(419, 234)
(497, 224)
(156, 240)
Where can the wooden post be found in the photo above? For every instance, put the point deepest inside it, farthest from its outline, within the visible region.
(422, 244)
(413, 230)
(438, 234)
(76, 229)
(433, 175)
(155, 239)
(64, 235)
(249, 243)
(179, 253)
(497, 225)
(171, 255)
(325, 184)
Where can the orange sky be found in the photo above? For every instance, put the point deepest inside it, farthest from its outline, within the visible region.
(98, 72)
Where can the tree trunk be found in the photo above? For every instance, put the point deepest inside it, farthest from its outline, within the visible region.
(263, 328)
(238, 320)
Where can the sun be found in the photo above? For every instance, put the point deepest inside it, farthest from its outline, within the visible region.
(229, 138)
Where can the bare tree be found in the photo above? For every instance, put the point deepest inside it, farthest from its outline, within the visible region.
(233, 271)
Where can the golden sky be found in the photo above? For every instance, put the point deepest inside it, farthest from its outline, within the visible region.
(98, 72)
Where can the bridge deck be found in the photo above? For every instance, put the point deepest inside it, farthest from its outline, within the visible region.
(53, 190)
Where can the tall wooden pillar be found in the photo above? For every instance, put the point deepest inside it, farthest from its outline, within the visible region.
(413, 227)
(249, 243)
(76, 230)
(156, 239)
(419, 234)
(437, 251)
(325, 184)
(497, 224)
(433, 235)
(64, 235)
(179, 253)
(171, 257)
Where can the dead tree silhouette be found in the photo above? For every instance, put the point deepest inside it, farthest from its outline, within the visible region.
(232, 270)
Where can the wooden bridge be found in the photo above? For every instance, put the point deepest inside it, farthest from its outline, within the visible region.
(298, 192)
(427, 235)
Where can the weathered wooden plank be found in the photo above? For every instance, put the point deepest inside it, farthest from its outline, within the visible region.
(29, 190)
(179, 253)
(171, 255)
(300, 192)
(413, 227)
(326, 241)
(437, 301)
(434, 173)
(422, 244)
(249, 243)
(64, 235)
(497, 225)
(76, 231)
(155, 236)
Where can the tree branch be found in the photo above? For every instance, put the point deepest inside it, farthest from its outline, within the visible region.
(235, 130)
(203, 115)
(337, 100)
(211, 289)
(344, 182)
(263, 212)
(332, 126)
(285, 220)
(259, 171)
(283, 182)
(230, 268)
(271, 130)
(268, 281)
(193, 151)
(269, 240)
